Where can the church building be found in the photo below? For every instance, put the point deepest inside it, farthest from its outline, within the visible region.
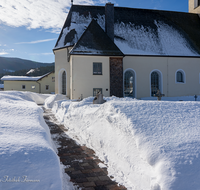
(128, 52)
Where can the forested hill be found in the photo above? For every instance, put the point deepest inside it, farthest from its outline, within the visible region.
(22, 67)
(8, 65)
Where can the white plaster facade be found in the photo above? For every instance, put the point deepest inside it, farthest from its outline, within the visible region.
(167, 68)
(80, 78)
(81, 81)
(32, 86)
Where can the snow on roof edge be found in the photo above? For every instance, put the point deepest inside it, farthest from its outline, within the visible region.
(23, 78)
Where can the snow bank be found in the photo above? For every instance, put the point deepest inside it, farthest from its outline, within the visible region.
(27, 155)
(50, 100)
(146, 144)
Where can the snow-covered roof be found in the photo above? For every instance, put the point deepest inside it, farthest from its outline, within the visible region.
(137, 31)
(30, 71)
(22, 78)
(102, 45)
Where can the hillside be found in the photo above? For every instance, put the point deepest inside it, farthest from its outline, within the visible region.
(15, 64)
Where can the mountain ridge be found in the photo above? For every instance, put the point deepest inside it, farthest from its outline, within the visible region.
(15, 64)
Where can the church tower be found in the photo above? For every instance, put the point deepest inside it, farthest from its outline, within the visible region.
(194, 6)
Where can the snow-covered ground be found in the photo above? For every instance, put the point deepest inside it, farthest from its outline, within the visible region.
(145, 144)
(28, 158)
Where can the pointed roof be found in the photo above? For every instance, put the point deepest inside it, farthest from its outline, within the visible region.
(138, 31)
(96, 42)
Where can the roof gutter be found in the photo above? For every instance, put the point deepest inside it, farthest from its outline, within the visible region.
(62, 48)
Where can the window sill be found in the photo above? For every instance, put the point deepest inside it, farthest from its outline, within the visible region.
(180, 82)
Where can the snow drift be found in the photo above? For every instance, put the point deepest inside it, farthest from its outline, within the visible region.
(27, 155)
(145, 144)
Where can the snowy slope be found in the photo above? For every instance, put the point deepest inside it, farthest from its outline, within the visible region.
(27, 156)
(146, 144)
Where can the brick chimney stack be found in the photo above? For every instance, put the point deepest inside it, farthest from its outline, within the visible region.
(109, 20)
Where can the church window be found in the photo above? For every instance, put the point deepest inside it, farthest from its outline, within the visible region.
(155, 83)
(129, 84)
(64, 83)
(180, 76)
(97, 68)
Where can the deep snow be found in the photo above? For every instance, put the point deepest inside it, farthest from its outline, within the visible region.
(28, 158)
(145, 144)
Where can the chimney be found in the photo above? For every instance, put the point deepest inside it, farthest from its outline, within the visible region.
(109, 20)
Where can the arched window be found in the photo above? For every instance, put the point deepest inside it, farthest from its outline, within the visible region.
(156, 82)
(180, 76)
(64, 83)
(129, 84)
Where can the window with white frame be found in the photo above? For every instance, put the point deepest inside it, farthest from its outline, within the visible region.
(64, 83)
(23, 86)
(33, 86)
(180, 76)
(47, 87)
(196, 3)
(96, 91)
(155, 82)
(129, 84)
(97, 68)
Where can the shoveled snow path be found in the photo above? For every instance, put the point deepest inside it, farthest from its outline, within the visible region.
(81, 164)
(146, 144)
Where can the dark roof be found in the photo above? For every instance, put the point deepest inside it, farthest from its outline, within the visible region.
(138, 31)
(96, 42)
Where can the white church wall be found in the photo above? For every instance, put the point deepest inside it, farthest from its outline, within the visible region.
(191, 67)
(84, 81)
(61, 64)
(143, 66)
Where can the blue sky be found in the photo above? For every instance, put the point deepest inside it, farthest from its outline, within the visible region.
(29, 28)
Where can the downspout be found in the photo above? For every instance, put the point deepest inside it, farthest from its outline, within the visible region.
(39, 86)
